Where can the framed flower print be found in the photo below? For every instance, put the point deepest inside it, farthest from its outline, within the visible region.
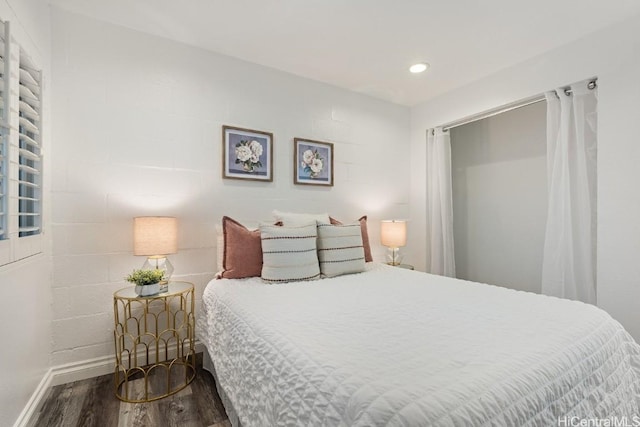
(247, 154)
(313, 162)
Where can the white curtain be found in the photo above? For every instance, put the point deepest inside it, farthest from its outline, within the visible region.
(440, 203)
(569, 260)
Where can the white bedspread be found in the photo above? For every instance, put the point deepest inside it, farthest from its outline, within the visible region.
(400, 348)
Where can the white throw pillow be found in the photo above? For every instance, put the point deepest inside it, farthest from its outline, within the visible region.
(296, 219)
(289, 254)
(340, 249)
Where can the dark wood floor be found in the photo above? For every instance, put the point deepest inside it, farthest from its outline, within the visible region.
(92, 403)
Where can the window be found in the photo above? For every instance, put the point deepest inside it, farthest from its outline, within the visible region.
(20, 151)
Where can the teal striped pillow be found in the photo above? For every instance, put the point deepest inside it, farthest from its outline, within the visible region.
(340, 249)
(289, 254)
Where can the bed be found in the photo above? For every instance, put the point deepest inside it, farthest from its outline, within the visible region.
(394, 347)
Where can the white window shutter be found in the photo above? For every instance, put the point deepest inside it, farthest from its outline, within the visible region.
(4, 127)
(29, 158)
(3, 184)
(20, 151)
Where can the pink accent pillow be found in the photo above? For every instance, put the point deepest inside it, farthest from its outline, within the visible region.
(242, 250)
(365, 236)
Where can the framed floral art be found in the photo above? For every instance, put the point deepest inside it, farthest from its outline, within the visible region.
(247, 154)
(313, 162)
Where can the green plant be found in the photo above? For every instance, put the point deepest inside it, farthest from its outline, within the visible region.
(145, 277)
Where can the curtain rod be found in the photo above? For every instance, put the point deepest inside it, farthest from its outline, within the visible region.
(493, 112)
(508, 107)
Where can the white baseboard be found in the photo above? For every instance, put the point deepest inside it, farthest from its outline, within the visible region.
(67, 373)
(77, 371)
(35, 400)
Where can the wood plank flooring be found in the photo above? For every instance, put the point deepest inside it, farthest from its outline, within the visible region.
(92, 402)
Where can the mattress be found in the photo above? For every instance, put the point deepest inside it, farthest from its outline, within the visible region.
(396, 347)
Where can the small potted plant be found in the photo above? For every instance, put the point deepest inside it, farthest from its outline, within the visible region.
(147, 281)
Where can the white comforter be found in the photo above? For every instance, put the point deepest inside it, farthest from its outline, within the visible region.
(401, 348)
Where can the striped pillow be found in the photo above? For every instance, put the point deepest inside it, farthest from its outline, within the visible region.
(340, 249)
(365, 236)
(289, 254)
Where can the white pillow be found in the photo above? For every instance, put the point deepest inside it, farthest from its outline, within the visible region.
(296, 219)
(289, 254)
(220, 247)
(340, 249)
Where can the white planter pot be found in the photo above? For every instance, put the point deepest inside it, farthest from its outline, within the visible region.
(148, 290)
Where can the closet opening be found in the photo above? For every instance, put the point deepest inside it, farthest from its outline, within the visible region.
(499, 188)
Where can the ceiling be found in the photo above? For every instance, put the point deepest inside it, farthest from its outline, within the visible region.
(367, 45)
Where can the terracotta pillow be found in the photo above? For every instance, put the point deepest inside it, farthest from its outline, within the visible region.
(365, 236)
(242, 255)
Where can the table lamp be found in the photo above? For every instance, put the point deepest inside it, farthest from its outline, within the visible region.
(156, 237)
(393, 234)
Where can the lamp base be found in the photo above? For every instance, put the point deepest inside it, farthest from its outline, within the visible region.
(160, 263)
(394, 257)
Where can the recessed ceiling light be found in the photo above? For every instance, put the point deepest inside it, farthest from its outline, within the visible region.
(419, 68)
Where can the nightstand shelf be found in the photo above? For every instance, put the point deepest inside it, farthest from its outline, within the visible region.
(154, 342)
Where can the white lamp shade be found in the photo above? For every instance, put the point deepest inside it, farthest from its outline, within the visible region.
(393, 233)
(155, 235)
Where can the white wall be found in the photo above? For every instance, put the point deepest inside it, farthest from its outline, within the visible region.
(613, 55)
(137, 131)
(499, 174)
(26, 285)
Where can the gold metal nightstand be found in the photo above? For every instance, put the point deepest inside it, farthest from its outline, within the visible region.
(154, 341)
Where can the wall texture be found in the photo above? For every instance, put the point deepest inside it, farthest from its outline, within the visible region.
(613, 55)
(137, 131)
(499, 171)
(26, 284)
